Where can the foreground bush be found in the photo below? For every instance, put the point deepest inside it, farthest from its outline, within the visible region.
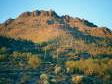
(43, 79)
(92, 67)
(27, 60)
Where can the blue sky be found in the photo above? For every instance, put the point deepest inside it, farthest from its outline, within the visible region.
(96, 11)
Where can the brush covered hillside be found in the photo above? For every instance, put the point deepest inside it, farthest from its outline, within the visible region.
(41, 47)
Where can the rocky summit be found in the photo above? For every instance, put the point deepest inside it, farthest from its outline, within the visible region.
(41, 47)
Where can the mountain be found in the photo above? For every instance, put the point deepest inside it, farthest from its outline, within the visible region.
(29, 24)
(45, 26)
(63, 41)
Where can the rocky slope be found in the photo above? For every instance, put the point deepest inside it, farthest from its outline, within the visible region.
(65, 31)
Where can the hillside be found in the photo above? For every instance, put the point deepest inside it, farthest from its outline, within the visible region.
(45, 26)
(41, 41)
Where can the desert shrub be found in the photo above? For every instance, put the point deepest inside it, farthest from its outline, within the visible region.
(70, 65)
(43, 44)
(34, 61)
(4, 54)
(3, 50)
(2, 57)
(44, 76)
(92, 67)
(44, 79)
(27, 60)
(77, 79)
(58, 69)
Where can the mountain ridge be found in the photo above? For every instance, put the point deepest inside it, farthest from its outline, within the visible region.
(50, 18)
(45, 26)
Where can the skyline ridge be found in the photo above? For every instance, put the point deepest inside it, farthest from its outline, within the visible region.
(98, 12)
(51, 10)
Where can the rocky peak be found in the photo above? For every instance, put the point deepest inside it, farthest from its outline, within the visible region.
(10, 20)
(49, 13)
(52, 13)
(87, 23)
(25, 14)
(106, 30)
(36, 13)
